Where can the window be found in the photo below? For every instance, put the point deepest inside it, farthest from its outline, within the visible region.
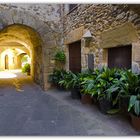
(72, 7)
(120, 57)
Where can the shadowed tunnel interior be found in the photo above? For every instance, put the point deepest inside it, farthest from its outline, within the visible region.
(16, 41)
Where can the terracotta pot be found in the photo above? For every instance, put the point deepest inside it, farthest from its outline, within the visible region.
(135, 122)
(86, 99)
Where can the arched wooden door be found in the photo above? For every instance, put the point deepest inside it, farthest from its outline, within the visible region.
(6, 62)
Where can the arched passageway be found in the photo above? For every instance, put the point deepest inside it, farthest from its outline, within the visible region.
(36, 37)
(22, 59)
(17, 40)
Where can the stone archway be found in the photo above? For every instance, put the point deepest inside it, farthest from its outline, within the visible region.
(37, 37)
(30, 40)
(20, 57)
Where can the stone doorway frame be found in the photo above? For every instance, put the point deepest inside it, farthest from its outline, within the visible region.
(120, 36)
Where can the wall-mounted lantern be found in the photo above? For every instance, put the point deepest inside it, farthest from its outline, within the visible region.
(87, 37)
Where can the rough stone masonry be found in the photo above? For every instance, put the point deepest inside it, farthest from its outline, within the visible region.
(110, 26)
(40, 20)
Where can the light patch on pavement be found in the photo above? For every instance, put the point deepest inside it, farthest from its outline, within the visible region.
(17, 85)
(7, 74)
(12, 74)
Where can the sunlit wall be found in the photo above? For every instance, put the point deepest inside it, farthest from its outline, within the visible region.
(9, 59)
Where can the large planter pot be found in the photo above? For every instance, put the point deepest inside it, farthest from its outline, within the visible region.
(75, 93)
(86, 99)
(105, 105)
(123, 104)
(135, 121)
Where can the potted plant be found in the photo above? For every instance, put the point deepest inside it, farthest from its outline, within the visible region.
(66, 80)
(134, 109)
(56, 77)
(26, 68)
(60, 56)
(88, 96)
(60, 59)
(71, 81)
(107, 93)
(129, 85)
(74, 85)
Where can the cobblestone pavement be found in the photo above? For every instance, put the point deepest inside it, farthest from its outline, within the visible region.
(30, 111)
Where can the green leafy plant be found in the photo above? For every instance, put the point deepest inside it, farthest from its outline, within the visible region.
(60, 56)
(134, 104)
(26, 68)
(66, 81)
(70, 80)
(107, 93)
(88, 82)
(100, 83)
(130, 83)
(113, 90)
(57, 76)
(105, 82)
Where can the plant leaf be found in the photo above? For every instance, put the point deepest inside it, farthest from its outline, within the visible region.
(132, 102)
(113, 111)
(137, 107)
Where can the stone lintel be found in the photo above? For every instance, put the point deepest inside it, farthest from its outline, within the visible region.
(121, 35)
(74, 35)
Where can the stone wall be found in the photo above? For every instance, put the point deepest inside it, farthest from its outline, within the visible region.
(45, 12)
(43, 19)
(109, 25)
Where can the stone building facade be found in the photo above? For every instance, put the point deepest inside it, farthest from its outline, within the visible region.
(40, 29)
(110, 26)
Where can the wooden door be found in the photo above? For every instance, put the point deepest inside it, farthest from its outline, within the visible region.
(75, 57)
(120, 57)
(6, 62)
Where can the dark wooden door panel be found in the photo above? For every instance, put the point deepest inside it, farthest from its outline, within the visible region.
(75, 57)
(90, 61)
(120, 57)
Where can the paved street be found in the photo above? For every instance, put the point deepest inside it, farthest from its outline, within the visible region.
(26, 110)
